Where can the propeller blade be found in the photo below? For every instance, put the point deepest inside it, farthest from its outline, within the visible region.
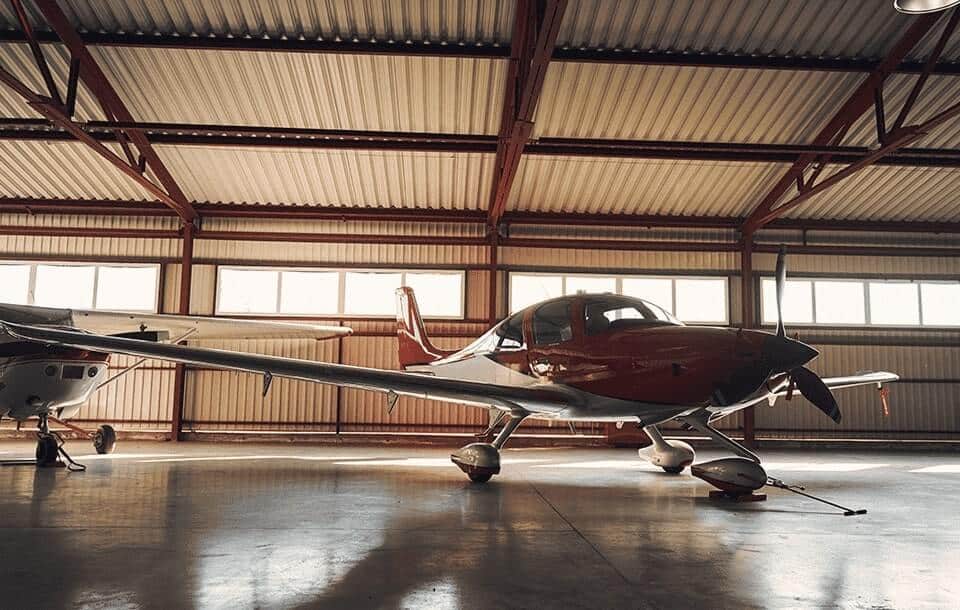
(781, 284)
(817, 392)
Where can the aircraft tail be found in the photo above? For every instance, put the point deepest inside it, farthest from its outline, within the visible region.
(414, 346)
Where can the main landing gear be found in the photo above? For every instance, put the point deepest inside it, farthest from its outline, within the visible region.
(50, 451)
(482, 460)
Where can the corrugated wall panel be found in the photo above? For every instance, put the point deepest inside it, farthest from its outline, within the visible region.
(304, 254)
(640, 186)
(311, 90)
(89, 247)
(621, 261)
(846, 265)
(140, 400)
(362, 409)
(931, 405)
(230, 399)
(333, 177)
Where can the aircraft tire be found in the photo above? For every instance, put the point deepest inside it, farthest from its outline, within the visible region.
(47, 451)
(480, 478)
(105, 439)
(672, 469)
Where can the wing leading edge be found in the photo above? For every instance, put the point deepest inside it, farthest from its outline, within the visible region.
(199, 327)
(409, 384)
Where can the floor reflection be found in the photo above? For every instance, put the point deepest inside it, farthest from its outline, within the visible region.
(376, 530)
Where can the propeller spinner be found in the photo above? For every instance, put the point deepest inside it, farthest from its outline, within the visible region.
(789, 356)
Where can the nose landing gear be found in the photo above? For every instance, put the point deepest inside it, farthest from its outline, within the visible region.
(50, 449)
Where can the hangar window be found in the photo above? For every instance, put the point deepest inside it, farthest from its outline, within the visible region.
(700, 300)
(841, 301)
(330, 292)
(81, 286)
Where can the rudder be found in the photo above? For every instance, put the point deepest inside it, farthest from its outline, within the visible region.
(413, 345)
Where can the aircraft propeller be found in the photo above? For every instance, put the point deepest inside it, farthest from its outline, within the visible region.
(789, 352)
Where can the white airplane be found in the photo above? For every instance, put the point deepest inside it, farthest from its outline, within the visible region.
(55, 381)
(577, 358)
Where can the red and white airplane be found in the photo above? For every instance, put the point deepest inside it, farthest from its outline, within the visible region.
(577, 358)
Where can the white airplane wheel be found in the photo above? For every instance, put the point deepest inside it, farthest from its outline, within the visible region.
(673, 469)
(105, 439)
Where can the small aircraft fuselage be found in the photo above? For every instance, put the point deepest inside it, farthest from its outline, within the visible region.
(629, 350)
(36, 379)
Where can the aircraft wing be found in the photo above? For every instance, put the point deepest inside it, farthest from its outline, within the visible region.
(398, 382)
(114, 322)
(851, 381)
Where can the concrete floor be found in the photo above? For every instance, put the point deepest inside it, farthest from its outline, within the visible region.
(159, 525)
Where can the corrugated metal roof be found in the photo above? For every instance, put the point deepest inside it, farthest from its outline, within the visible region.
(889, 193)
(467, 21)
(366, 92)
(62, 170)
(830, 28)
(635, 186)
(674, 103)
(334, 177)
(17, 59)
(938, 93)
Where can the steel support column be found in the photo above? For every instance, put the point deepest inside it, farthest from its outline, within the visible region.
(183, 308)
(748, 320)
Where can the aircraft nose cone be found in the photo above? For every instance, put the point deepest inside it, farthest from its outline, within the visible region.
(785, 354)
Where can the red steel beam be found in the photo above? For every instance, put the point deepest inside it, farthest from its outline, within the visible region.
(55, 115)
(893, 142)
(858, 103)
(38, 57)
(272, 137)
(344, 214)
(928, 68)
(97, 81)
(536, 26)
(701, 58)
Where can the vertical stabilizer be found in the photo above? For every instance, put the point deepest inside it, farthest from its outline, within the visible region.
(413, 345)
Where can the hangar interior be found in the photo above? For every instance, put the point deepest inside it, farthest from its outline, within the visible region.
(346, 138)
(299, 161)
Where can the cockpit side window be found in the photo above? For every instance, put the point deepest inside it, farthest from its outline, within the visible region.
(552, 324)
(510, 333)
(602, 315)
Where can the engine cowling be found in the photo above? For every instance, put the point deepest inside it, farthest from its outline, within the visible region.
(734, 475)
(671, 455)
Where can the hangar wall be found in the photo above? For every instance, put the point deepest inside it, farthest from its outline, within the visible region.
(926, 404)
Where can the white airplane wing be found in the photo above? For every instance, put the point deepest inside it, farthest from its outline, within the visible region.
(396, 382)
(851, 381)
(199, 327)
(877, 377)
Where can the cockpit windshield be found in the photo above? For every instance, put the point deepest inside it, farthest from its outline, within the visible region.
(611, 312)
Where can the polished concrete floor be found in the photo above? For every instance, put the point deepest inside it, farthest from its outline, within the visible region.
(161, 525)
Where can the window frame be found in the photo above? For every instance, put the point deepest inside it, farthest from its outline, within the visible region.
(341, 273)
(32, 284)
(619, 277)
(865, 283)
